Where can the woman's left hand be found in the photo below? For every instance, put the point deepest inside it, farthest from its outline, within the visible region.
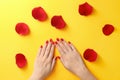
(44, 62)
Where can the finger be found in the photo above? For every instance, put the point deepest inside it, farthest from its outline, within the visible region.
(39, 51)
(66, 45)
(53, 63)
(72, 46)
(51, 51)
(43, 49)
(60, 49)
(61, 59)
(62, 46)
(48, 49)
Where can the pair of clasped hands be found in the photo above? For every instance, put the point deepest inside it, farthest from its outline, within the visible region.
(69, 56)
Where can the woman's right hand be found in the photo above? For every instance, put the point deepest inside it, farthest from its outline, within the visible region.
(72, 60)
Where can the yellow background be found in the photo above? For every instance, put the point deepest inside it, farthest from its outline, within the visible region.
(83, 32)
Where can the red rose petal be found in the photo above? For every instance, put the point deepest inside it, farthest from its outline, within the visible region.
(108, 29)
(90, 55)
(22, 29)
(58, 22)
(39, 14)
(20, 60)
(85, 9)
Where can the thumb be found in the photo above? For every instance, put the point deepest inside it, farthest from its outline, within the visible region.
(53, 62)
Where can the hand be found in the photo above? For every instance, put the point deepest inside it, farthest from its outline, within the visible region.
(72, 60)
(44, 62)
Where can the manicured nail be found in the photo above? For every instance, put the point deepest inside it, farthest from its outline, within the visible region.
(53, 43)
(47, 42)
(69, 42)
(62, 39)
(41, 46)
(51, 40)
(57, 39)
(56, 43)
(58, 57)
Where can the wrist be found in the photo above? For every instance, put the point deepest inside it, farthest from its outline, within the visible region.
(82, 71)
(36, 77)
(85, 74)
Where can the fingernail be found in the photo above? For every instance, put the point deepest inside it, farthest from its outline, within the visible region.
(56, 43)
(57, 57)
(47, 42)
(62, 39)
(69, 42)
(53, 43)
(51, 40)
(57, 39)
(41, 46)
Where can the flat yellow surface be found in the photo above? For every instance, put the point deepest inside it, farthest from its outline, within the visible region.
(83, 32)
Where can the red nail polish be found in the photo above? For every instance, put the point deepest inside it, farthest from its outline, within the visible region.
(69, 42)
(53, 43)
(62, 39)
(56, 43)
(58, 57)
(57, 39)
(51, 40)
(47, 42)
(41, 46)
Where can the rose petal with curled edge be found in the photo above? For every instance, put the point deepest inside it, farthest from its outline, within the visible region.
(58, 22)
(39, 14)
(85, 9)
(22, 28)
(90, 55)
(20, 60)
(108, 29)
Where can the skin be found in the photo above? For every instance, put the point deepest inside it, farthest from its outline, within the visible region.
(44, 62)
(70, 59)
